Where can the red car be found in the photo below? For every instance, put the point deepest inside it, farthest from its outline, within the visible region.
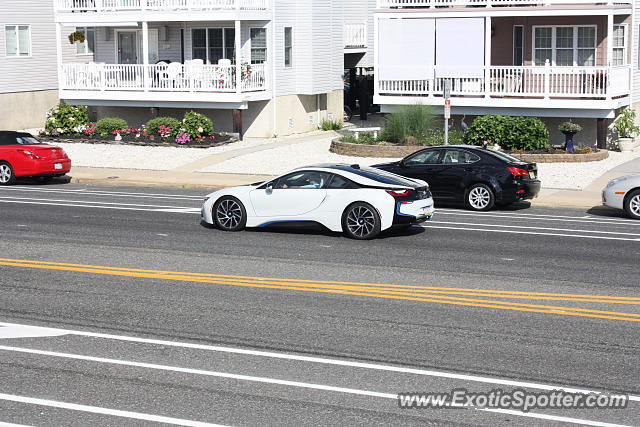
(22, 155)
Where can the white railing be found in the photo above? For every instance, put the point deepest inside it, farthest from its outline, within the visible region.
(355, 35)
(523, 82)
(173, 77)
(383, 4)
(168, 5)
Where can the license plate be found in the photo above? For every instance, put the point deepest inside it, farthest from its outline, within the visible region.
(426, 211)
(532, 175)
(57, 165)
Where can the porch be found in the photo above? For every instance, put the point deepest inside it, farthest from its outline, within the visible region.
(397, 4)
(99, 6)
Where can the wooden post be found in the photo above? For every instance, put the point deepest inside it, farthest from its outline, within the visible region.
(602, 129)
(237, 122)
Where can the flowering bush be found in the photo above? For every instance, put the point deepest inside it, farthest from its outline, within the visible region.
(195, 124)
(153, 125)
(66, 119)
(183, 138)
(109, 125)
(165, 131)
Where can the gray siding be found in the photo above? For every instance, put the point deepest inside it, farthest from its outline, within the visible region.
(39, 71)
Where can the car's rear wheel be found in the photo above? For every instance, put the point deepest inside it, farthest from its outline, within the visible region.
(632, 204)
(229, 214)
(361, 221)
(7, 177)
(480, 197)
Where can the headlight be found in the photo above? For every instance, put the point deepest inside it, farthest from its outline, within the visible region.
(613, 182)
(206, 198)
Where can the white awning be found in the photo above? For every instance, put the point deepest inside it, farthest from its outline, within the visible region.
(406, 49)
(460, 47)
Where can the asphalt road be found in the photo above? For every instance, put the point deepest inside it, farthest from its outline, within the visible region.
(152, 317)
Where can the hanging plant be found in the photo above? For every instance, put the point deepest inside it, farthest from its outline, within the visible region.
(76, 36)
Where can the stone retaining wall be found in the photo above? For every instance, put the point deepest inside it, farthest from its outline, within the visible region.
(399, 151)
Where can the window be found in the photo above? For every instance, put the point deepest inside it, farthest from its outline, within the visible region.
(288, 46)
(342, 183)
(17, 40)
(518, 43)
(88, 45)
(258, 45)
(457, 157)
(213, 44)
(619, 41)
(306, 180)
(424, 158)
(565, 46)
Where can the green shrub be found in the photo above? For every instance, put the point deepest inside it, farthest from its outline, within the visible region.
(625, 124)
(153, 125)
(436, 137)
(331, 125)
(66, 119)
(411, 120)
(196, 124)
(512, 133)
(363, 138)
(109, 125)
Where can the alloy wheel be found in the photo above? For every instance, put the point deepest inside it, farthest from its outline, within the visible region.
(634, 205)
(5, 173)
(479, 197)
(229, 214)
(361, 221)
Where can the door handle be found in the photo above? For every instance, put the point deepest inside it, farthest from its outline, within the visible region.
(468, 169)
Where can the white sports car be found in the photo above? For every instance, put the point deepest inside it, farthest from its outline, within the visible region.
(359, 201)
(623, 193)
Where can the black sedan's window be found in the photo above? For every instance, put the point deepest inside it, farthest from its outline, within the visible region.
(429, 157)
(459, 157)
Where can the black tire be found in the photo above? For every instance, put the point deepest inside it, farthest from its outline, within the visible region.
(361, 221)
(479, 197)
(632, 204)
(229, 214)
(7, 177)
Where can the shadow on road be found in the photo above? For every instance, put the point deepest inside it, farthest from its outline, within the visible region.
(513, 207)
(604, 211)
(62, 180)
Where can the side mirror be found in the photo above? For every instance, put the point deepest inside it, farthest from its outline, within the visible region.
(402, 164)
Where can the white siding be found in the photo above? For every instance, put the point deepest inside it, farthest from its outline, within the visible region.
(39, 71)
(635, 45)
(359, 12)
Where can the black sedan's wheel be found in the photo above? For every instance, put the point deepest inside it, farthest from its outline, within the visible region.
(480, 197)
(229, 214)
(632, 204)
(361, 221)
(7, 176)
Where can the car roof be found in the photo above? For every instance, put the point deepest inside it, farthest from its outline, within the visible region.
(365, 175)
(8, 137)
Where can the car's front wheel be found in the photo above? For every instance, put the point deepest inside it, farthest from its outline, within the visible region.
(361, 221)
(480, 197)
(7, 177)
(229, 214)
(632, 204)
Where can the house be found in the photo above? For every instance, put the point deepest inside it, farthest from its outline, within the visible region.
(257, 67)
(28, 66)
(554, 59)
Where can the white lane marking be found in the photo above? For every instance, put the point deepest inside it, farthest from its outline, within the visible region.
(3, 424)
(104, 411)
(559, 218)
(183, 210)
(531, 232)
(540, 228)
(162, 234)
(265, 380)
(105, 193)
(20, 331)
(95, 203)
(336, 362)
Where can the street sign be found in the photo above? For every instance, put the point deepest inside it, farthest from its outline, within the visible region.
(447, 89)
(447, 108)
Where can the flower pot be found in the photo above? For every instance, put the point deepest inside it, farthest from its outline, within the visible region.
(626, 144)
(568, 145)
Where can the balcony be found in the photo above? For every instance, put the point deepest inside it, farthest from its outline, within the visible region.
(544, 87)
(389, 4)
(174, 82)
(157, 5)
(355, 38)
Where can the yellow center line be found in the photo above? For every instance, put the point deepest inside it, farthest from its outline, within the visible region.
(463, 291)
(350, 291)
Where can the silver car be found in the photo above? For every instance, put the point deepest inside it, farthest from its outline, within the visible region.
(623, 193)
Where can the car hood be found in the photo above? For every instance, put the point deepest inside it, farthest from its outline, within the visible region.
(237, 190)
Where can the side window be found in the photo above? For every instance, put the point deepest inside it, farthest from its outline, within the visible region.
(429, 157)
(342, 183)
(458, 157)
(302, 179)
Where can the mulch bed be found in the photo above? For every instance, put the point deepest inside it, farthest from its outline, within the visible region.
(142, 142)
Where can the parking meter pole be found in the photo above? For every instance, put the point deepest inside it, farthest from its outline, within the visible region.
(447, 109)
(446, 131)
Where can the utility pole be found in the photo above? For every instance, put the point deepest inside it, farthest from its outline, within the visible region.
(447, 109)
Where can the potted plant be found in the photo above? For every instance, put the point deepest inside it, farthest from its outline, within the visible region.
(569, 129)
(76, 36)
(626, 128)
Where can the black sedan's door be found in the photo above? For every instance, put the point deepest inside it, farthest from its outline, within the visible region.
(420, 165)
(449, 176)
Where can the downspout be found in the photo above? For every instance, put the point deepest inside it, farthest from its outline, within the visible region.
(274, 104)
(318, 109)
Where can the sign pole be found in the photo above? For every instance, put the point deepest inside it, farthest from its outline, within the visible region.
(447, 109)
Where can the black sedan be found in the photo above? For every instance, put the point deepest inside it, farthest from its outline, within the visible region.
(478, 177)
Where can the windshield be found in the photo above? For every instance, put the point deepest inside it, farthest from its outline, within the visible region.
(504, 156)
(385, 177)
(26, 140)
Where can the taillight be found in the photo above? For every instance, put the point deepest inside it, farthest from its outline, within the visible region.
(517, 171)
(400, 193)
(29, 154)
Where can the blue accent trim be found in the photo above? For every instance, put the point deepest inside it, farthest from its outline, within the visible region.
(266, 224)
(400, 213)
